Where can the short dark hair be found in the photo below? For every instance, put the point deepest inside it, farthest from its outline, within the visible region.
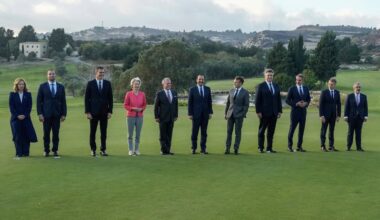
(240, 78)
(299, 75)
(99, 68)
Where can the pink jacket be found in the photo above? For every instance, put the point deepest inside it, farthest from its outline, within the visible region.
(134, 101)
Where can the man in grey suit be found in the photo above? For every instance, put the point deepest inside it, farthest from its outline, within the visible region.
(235, 112)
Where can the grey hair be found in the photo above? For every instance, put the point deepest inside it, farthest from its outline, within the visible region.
(268, 70)
(136, 79)
(165, 79)
(356, 84)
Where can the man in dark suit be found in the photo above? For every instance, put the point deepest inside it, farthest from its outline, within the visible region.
(51, 110)
(166, 113)
(329, 113)
(98, 108)
(298, 98)
(268, 109)
(355, 113)
(199, 111)
(236, 110)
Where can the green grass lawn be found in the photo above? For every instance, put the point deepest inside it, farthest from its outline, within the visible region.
(312, 185)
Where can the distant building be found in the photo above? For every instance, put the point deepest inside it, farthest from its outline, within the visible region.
(39, 48)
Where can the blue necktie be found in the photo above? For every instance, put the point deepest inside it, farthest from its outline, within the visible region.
(52, 89)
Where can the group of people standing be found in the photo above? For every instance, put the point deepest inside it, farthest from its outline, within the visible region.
(52, 110)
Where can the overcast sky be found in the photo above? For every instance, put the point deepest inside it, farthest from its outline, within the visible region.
(178, 15)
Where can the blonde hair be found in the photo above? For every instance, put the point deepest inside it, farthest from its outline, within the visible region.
(136, 79)
(16, 82)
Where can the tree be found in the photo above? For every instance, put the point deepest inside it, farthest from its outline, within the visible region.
(27, 33)
(296, 57)
(277, 58)
(348, 52)
(58, 39)
(325, 61)
(172, 59)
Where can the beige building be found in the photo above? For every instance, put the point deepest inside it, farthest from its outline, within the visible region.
(39, 48)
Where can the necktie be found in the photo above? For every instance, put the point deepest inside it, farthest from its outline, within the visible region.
(332, 94)
(357, 99)
(271, 88)
(100, 85)
(236, 93)
(52, 89)
(168, 95)
(301, 91)
(202, 91)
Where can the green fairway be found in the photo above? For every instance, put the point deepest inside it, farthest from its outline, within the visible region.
(311, 185)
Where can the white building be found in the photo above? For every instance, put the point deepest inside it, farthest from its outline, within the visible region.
(39, 48)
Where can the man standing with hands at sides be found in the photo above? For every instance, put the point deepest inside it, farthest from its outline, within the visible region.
(268, 110)
(235, 112)
(51, 110)
(355, 113)
(166, 113)
(199, 111)
(98, 108)
(329, 113)
(298, 98)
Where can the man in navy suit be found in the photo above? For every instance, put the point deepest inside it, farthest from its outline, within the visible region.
(298, 98)
(355, 113)
(199, 111)
(329, 113)
(98, 108)
(166, 113)
(268, 109)
(51, 110)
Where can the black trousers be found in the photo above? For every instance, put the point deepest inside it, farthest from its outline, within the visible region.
(295, 120)
(166, 132)
(270, 123)
(330, 123)
(201, 123)
(51, 124)
(238, 123)
(21, 142)
(103, 120)
(355, 126)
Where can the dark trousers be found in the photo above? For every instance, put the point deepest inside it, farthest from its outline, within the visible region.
(103, 121)
(51, 124)
(355, 126)
(270, 123)
(201, 123)
(294, 121)
(330, 122)
(22, 145)
(166, 132)
(238, 123)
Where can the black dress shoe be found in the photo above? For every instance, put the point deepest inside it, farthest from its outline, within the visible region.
(56, 155)
(103, 153)
(348, 149)
(360, 150)
(290, 149)
(46, 154)
(332, 149)
(170, 153)
(300, 149)
(236, 152)
(227, 152)
(323, 148)
(204, 152)
(193, 152)
(271, 151)
(261, 151)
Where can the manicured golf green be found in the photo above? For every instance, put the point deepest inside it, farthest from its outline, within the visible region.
(311, 185)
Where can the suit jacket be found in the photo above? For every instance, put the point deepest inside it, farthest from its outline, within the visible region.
(98, 102)
(17, 108)
(267, 103)
(329, 107)
(237, 107)
(49, 105)
(352, 110)
(294, 96)
(163, 109)
(197, 105)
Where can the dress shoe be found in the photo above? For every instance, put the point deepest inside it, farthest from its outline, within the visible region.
(227, 152)
(93, 153)
(204, 152)
(261, 151)
(323, 148)
(300, 149)
(193, 152)
(290, 149)
(46, 154)
(271, 151)
(56, 155)
(332, 149)
(360, 150)
(103, 153)
(137, 153)
(348, 149)
(236, 151)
